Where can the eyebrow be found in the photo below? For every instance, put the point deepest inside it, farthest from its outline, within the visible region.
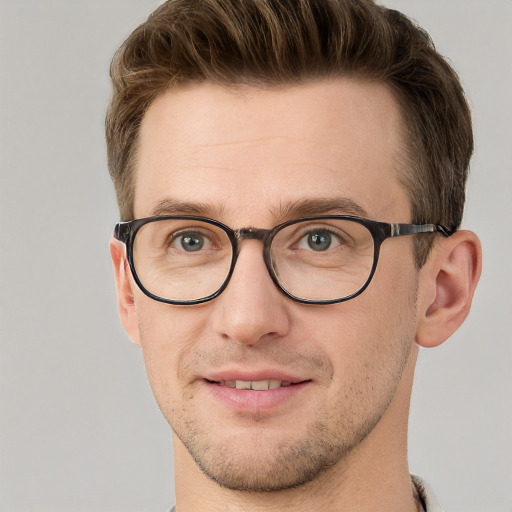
(320, 206)
(170, 206)
(289, 210)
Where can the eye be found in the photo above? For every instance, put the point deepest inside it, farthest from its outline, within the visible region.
(319, 240)
(190, 241)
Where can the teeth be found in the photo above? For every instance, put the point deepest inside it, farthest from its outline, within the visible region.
(257, 385)
(274, 384)
(243, 384)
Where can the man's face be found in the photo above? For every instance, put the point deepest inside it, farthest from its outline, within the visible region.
(256, 158)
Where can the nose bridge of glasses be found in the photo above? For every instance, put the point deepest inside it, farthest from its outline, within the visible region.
(251, 234)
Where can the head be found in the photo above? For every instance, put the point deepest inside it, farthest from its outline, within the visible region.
(253, 114)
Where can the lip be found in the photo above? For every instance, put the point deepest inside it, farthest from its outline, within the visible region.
(255, 401)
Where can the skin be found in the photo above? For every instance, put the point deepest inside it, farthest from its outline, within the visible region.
(247, 157)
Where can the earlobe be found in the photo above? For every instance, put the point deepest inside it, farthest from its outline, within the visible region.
(447, 284)
(125, 301)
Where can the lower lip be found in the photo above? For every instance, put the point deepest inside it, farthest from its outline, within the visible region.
(252, 401)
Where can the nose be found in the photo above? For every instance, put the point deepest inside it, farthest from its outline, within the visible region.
(251, 309)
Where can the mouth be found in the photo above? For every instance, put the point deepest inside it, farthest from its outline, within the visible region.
(259, 394)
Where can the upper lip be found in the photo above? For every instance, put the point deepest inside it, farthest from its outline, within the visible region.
(253, 375)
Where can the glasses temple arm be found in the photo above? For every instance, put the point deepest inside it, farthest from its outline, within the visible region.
(413, 229)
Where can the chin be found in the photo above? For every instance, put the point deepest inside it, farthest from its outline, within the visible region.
(267, 463)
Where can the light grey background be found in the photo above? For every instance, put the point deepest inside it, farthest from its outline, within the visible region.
(79, 430)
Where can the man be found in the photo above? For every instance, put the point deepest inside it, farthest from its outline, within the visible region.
(290, 177)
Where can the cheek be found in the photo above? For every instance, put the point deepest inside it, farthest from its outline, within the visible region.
(168, 334)
(368, 339)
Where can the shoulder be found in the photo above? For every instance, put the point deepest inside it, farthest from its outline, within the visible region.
(426, 494)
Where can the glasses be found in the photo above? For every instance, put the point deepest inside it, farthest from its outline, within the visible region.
(314, 260)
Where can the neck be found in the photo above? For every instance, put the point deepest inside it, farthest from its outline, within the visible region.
(373, 477)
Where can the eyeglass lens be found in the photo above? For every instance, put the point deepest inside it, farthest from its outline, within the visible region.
(187, 260)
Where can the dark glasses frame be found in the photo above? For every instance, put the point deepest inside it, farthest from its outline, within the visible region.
(125, 232)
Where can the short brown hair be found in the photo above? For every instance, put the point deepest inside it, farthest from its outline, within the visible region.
(271, 42)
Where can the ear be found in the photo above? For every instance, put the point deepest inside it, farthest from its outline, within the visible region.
(447, 284)
(124, 284)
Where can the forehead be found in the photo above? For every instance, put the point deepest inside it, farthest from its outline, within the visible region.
(248, 153)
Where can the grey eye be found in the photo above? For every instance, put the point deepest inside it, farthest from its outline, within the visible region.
(319, 241)
(191, 242)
